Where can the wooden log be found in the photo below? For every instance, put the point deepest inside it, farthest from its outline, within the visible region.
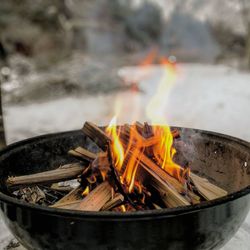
(97, 198)
(168, 179)
(175, 133)
(83, 154)
(73, 196)
(71, 205)
(103, 141)
(140, 127)
(96, 134)
(116, 201)
(169, 194)
(137, 138)
(206, 189)
(71, 171)
(145, 132)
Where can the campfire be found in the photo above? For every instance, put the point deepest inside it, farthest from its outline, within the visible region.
(132, 167)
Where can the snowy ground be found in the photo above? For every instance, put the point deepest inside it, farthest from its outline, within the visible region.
(214, 98)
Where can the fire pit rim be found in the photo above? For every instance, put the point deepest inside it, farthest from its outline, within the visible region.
(147, 214)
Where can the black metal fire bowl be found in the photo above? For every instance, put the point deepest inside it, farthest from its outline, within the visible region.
(225, 160)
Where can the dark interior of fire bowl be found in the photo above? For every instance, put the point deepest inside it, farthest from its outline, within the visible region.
(222, 159)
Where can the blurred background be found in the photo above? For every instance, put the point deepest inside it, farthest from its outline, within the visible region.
(63, 62)
(67, 61)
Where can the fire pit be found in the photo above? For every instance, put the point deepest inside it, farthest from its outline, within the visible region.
(222, 159)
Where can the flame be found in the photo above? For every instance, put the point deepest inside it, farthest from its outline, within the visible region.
(149, 58)
(127, 158)
(117, 147)
(155, 110)
(123, 208)
(85, 191)
(164, 150)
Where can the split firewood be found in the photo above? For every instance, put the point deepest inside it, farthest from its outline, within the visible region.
(181, 199)
(97, 198)
(170, 196)
(73, 196)
(59, 174)
(71, 205)
(147, 133)
(96, 134)
(140, 127)
(103, 142)
(205, 188)
(83, 154)
(101, 162)
(154, 170)
(208, 190)
(156, 206)
(146, 142)
(74, 205)
(116, 201)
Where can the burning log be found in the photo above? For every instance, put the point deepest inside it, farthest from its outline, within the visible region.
(103, 141)
(167, 184)
(66, 172)
(97, 198)
(146, 128)
(169, 195)
(164, 184)
(172, 190)
(162, 180)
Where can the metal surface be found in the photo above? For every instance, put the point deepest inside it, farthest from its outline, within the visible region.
(206, 226)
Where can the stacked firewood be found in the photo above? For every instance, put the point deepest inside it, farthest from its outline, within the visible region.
(94, 183)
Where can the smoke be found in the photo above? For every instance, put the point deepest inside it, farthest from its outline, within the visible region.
(186, 146)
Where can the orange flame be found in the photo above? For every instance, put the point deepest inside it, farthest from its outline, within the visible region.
(164, 151)
(127, 159)
(117, 147)
(85, 191)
